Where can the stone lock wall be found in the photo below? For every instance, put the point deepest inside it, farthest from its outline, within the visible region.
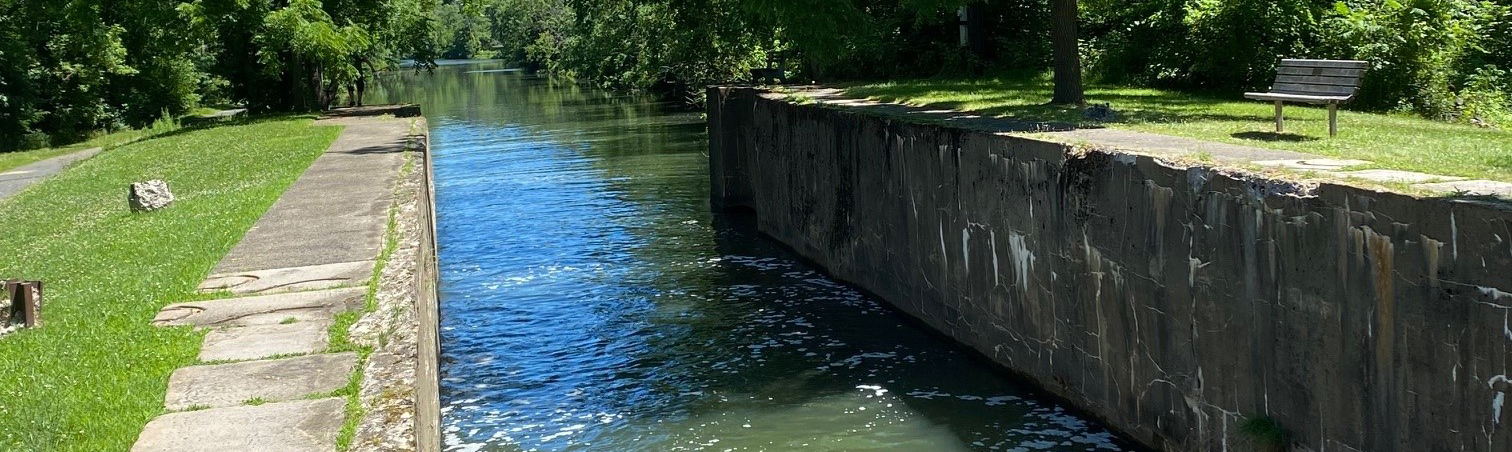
(1172, 302)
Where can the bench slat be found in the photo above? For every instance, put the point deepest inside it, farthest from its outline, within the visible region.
(1318, 80)
(1320, 71)
(1341, 64)
(1313, 90)
(1296, 98)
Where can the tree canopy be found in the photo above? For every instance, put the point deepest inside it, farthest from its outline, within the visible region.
(1440, 58)
(69, 67)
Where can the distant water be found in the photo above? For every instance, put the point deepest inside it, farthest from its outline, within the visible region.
(592, 302)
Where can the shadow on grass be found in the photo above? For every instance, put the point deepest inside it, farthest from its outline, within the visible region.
(235, 121)
(1021, 100)
(1500, 161)
(1274, 136)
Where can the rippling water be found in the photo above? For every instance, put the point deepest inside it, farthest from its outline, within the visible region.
(590, 300)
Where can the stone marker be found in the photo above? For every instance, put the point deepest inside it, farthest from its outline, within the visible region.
(263, 341)
(274, 380)
(149, 196)
(298, 426)
(291, 279)
(262, 310)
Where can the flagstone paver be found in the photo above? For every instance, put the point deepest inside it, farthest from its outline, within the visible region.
(263, 341)
(297, 426)
(262, 310)
(1472, 187)
(323, 276)
(1384, 175)
(273, 380)
(1318, 164)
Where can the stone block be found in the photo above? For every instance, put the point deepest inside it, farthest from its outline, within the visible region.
(1383, 175)
(298, 426)
(262, 341)
(276, 380)
(262, 310)
(291, 279)
(1472, 187)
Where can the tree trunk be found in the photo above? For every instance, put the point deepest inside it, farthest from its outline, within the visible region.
(1068, 71)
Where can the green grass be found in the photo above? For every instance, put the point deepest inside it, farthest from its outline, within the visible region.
(95, 373)
(11, 160)
(1390, 140)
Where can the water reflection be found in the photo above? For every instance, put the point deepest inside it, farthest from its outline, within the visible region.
(591, 301)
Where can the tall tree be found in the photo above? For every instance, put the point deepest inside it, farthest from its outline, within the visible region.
(1068, 70)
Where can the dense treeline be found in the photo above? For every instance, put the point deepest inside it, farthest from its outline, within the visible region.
(1442, 58)
(71, 67)
(68, 68)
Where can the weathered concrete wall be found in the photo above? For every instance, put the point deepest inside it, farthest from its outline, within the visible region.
(1172, 302)
(428, 314)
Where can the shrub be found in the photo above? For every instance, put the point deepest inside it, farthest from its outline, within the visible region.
(1486, 100)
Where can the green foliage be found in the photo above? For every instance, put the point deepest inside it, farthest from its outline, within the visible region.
(1412, 47)
(302, 39)
(70, 68)
(1424, 54)
(1487, 98)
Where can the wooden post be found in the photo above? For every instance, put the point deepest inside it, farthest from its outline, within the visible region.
(1280, 122)
(31, 303)
(1333, 119)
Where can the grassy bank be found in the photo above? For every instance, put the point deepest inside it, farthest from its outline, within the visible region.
(1391, 141)
(10, 160)
(13, 159)
(92, 377)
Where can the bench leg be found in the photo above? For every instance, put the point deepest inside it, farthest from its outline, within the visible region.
(1333, 119)
(1280, 123)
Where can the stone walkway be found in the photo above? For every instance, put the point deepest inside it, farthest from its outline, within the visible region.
(15, 180)
(267, 379)
(1163, 145)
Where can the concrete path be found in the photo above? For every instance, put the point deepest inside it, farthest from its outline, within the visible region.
(337, 211)
(15, 180)
(309, 258)
(1160, 145)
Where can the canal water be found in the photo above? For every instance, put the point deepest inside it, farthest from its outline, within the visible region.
(591, 301)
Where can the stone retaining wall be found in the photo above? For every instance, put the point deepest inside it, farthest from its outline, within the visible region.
(1173, 302)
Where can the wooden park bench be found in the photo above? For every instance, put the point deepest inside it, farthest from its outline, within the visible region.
(1329, 82)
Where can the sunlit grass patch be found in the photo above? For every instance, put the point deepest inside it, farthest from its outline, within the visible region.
(1390, 140)
(96, 372)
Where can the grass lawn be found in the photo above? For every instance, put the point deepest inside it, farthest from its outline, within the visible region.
(10, 160)
(1390, 140)
(96, 372)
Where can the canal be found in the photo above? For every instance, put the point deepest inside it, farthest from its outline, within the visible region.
(591, 301)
